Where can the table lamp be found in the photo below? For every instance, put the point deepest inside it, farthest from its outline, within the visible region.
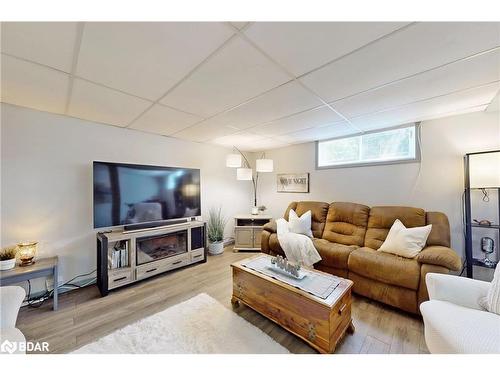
(26, 252)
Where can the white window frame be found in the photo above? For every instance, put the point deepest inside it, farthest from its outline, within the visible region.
(415, 159)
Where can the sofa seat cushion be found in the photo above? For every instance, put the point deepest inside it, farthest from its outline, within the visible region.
(333, 254)
(332, 270)
(387, 268)
(393, 295)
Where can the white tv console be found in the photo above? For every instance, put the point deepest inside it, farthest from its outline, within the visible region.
(125, 257)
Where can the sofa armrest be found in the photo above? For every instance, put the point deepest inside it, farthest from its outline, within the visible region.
(457, 290)
(270, 226)
(440, 256)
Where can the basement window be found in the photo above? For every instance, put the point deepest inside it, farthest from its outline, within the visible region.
(390, 146)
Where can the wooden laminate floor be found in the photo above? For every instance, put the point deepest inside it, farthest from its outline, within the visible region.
(83, 316)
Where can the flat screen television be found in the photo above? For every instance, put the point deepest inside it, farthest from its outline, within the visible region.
(129, 194)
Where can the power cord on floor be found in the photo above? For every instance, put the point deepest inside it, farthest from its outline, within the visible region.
(39, 301)
(463, 269)
(77, 277)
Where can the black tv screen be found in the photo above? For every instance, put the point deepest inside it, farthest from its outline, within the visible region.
(127, 194)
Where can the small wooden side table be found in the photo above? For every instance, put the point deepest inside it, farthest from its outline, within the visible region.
(247, 231)
(41, 268)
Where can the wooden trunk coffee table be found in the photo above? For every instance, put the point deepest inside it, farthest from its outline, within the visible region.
(320, 322)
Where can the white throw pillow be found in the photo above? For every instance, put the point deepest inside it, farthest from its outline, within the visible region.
(300, 225)
(282, 227)
(405, 242)
(492, 300)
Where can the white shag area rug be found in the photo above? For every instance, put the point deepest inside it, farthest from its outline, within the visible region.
(200, 325)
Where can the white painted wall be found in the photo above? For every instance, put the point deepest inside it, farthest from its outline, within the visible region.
(435, 184)
(46, 179)
(46, 186)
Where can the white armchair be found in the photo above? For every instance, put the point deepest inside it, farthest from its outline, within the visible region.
(11, 298)
(454, 322)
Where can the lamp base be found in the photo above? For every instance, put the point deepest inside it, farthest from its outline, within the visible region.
(255, 210)
(26, 262)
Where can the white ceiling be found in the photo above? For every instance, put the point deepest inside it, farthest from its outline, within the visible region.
(252, 85)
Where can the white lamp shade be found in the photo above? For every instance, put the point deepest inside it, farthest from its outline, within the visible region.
(244, 174)
(233, 160)
(484, 170)
(264, 165)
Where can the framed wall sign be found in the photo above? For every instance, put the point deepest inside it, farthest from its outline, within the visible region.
(293, 183)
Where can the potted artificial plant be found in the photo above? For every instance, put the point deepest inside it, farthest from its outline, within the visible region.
(8, 258)
(215, 231)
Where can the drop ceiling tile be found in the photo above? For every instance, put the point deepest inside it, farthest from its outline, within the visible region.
(494, 106)
(428, 109)
(412, 50)
(31, 85)
(146, 58)
(286, 138)
(239, 25)
(248, 142)
(268, 144)
(100, 104)
(282, 101)
(308, 119)
(163, 120)
(303, 46)
(241, 140)
(48, 43)
(233, 75)
(479, 108)
(204, 131)
(473, 72)
(338, 129)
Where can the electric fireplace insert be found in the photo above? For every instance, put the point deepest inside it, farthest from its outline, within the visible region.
(151, 248)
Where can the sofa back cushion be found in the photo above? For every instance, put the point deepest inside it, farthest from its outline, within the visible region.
(440, 233)
(382, 218)
(318, 213)
(346, 223)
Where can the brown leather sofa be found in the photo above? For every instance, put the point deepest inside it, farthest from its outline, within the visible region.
(347, 236)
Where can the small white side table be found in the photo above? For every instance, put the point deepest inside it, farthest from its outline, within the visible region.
(247, 231)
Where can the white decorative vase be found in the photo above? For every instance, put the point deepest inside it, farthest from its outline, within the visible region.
(7, 264)
(216, 248)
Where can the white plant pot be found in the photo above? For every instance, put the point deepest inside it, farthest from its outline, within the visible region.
(216, 248)
(7, 264)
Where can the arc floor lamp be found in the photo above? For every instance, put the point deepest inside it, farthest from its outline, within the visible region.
(244, 171)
